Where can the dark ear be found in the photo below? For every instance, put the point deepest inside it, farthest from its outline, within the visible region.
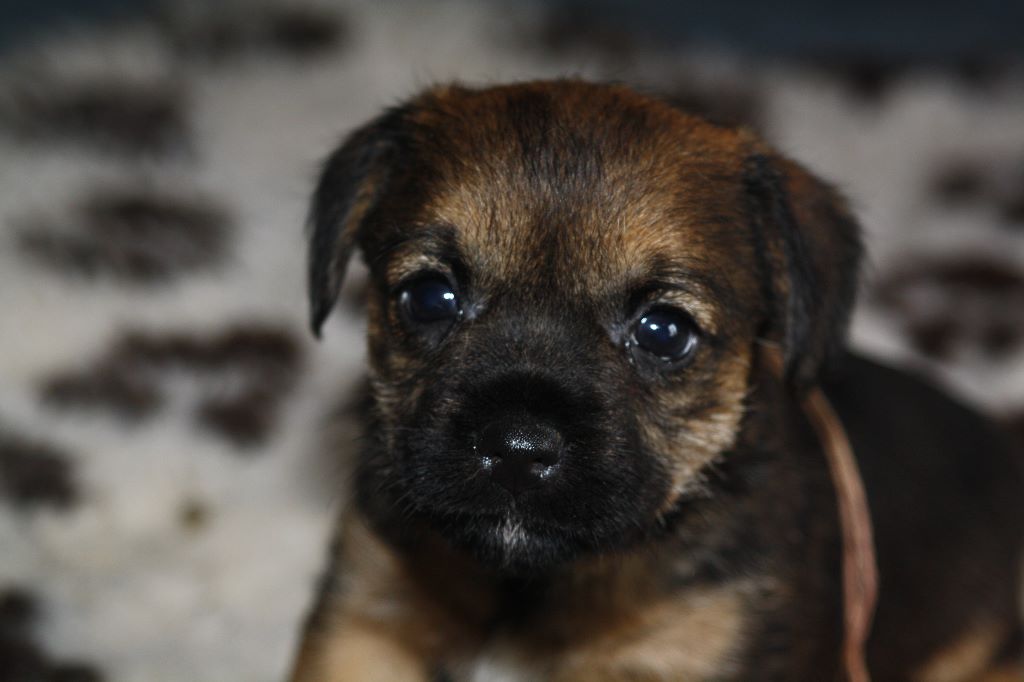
(812, 253)
(352, 181)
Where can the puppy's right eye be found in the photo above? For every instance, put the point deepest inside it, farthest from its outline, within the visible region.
(429, 301)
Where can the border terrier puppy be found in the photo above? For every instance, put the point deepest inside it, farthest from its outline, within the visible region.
(579, 464)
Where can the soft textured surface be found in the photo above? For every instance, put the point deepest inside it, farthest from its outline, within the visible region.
(164, 505)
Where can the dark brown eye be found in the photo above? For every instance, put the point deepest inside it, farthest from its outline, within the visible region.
(429, 301)
(666, 333)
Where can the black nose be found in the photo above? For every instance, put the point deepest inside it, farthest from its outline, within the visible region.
(519, 453)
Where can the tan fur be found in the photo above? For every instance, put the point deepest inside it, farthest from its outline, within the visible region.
(357, 651)
(377, 621)
(649, 648)
(967, 658)
(609, 622)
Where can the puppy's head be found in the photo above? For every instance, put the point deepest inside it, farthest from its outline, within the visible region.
(568, 284)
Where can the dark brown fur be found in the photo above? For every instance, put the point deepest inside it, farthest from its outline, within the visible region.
(691, 532)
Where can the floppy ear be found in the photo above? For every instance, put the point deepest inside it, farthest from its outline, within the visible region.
(351, 183)
(812, 253)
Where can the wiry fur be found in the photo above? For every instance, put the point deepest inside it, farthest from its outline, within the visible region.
(691, 504)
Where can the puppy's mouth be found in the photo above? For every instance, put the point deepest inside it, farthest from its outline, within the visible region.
(523, 471)
(537, 512)
(512, 542)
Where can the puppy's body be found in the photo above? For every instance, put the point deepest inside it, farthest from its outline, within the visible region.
(945, 492)
(578, 464)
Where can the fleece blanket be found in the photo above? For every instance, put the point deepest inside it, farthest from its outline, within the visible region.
(165, 499)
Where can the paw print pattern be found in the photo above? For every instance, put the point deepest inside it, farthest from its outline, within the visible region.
(35, 474)
(242, 375)
(118, 116)
(995, 183)
(290, 31)
(958, 305)
(132, 235)
(21, 656)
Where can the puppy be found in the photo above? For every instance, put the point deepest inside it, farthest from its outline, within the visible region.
(580, 462)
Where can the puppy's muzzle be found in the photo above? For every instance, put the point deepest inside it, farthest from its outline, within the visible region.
(519, 453)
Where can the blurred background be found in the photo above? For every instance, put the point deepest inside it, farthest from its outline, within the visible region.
(164, 502)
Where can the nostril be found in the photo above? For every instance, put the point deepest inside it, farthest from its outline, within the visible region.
(546, 457)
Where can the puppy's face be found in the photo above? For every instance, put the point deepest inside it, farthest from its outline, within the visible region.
(568, 283)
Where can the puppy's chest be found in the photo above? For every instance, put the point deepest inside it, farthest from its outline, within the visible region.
(503, 660)
(697, 635)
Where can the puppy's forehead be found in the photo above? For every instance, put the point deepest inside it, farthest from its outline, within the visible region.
(575, 186)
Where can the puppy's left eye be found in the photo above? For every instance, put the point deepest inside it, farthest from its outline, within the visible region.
(429, 300)
(666, 333)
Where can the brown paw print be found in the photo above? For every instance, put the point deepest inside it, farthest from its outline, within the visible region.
(35, 474)
(218, 33)
(996, 183)
(134, 235)
(242, 376)
(116, 116)
(22, 658)
(969, 304)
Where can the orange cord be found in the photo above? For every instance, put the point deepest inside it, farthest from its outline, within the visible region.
(860, 568)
